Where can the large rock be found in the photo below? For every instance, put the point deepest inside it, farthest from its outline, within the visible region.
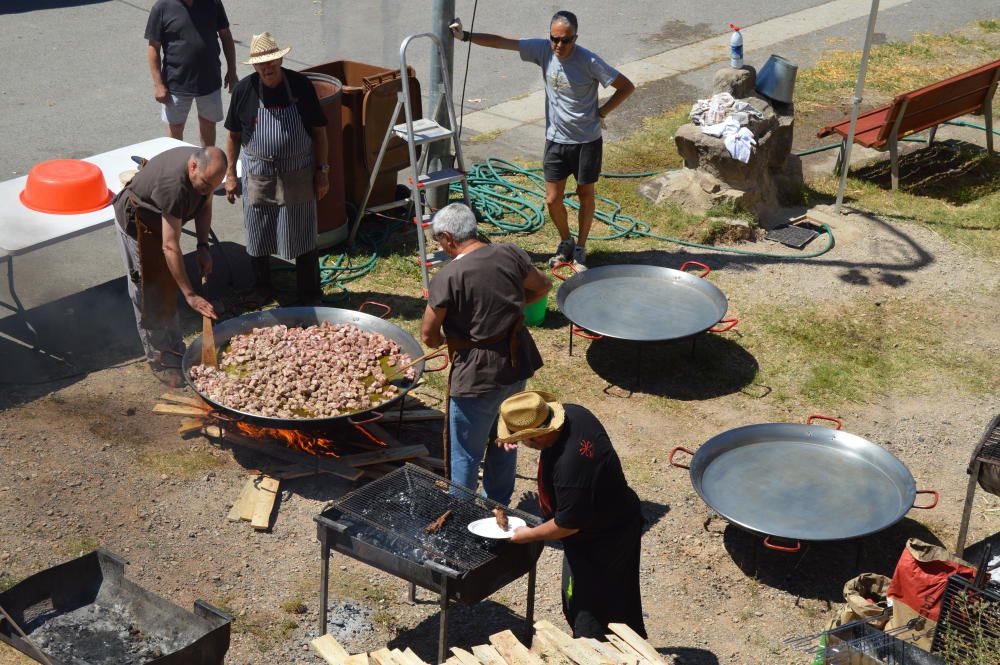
(772, 177)
(737, 82)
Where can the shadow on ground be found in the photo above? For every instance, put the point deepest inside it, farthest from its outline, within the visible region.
(468, 626)
(689, 656)
(712, 365)
(953, 171)
(20, 6)
(820, 570)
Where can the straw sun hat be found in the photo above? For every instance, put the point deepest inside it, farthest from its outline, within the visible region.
(264, 48)
(528, 415)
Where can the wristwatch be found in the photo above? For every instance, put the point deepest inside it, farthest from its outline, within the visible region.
(323, 168)
(204, 244)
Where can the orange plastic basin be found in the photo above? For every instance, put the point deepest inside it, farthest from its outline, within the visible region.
(66, 187)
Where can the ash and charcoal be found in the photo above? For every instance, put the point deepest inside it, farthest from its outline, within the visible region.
(101, 635)
(402, 531)
(349, 623)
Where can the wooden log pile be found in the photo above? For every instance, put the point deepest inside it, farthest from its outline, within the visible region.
(550, 646)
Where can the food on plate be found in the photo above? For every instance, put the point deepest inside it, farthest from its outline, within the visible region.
(319, 371)
(501, 518)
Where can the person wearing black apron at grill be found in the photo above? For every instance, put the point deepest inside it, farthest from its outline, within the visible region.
(276, 120)
(588, 505)
(168, 190)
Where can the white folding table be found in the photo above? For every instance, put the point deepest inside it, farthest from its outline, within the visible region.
(23, 230)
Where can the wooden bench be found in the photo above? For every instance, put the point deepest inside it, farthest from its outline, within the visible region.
(925, 108)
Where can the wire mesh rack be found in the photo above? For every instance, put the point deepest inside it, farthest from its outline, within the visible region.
(861, 643)
(968, 629)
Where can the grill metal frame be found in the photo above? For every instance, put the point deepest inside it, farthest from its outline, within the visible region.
(444, 573)
(969, 614)
(987, 451)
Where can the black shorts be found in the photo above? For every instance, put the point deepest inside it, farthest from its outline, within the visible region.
(580, 160)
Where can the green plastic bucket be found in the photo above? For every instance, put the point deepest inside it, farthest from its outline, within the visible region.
(534, 314)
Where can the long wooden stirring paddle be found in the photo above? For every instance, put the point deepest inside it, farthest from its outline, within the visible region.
(208, 354)
(398, 371)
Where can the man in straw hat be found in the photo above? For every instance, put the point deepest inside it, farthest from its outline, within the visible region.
(277, 122)
(588, 505)
(478, 300)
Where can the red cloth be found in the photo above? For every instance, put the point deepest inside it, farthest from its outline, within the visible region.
(921, 576)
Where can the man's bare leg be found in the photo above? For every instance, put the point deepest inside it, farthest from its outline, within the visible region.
(554, 192)
(176, 131)
(206, 129)
(585, 193)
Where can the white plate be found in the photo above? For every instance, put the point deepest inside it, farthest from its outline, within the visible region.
(488, 527)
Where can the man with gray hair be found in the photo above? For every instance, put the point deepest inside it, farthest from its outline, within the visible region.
(477, 299)
(169, 190)
(573, 119)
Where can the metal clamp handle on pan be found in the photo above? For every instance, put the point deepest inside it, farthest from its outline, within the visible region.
(730, 324)
(934, 493)
(443, 353)
(563, 265)
(698, 264)
(376, 416)
(679, 449)
(583, 332)
(781, 548)
(386, 308)
(837, 421)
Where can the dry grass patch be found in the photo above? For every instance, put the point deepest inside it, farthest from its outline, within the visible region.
(184, 463)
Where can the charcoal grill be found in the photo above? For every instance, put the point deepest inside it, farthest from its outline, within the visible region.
(984, 467)
(94, 585)
(382, 524)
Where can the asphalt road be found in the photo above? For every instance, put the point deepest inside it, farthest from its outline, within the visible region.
(75, 83)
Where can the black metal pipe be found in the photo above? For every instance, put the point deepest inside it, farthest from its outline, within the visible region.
(443, 633)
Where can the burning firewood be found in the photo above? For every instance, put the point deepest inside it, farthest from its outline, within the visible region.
(437, 524)
(501, 518)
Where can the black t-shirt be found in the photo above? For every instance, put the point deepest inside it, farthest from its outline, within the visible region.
(580, 480)
(189, 37)
(483, 292)
(163, 186)
(242, 116)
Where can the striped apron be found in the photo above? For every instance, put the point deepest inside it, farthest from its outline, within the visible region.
(280, 144)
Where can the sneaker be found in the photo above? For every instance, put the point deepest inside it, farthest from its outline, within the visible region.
(580, 258)
(169, 376)
(564, 252)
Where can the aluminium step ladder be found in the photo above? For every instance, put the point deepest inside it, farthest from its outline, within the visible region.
(420, 132)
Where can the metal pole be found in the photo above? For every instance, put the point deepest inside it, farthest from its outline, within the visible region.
(859, 89)
(441, 156)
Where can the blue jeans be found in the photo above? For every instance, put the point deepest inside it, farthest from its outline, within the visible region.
(470, 423)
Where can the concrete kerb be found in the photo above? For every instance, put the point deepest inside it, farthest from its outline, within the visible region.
(515, 113)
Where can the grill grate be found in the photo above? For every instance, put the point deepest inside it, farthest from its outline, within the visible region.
(792, 235)
(968, 628)
(989, 448)
(394, 510)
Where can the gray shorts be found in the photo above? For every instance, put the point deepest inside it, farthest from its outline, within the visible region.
(175, 111)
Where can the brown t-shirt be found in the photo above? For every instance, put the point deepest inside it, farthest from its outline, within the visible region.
(483, 292)
(163, 186)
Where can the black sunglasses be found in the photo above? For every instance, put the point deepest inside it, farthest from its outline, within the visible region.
(563, 40)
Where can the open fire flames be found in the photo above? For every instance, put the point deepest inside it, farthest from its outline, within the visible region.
(305, 441)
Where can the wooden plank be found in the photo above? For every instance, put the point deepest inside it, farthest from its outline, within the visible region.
(452, 660)
(624, 647)
(412, 657)
(378, 470)
(329, 649)
(382, 434)
(432, 463)
(465, 657)
(636, 642)
(267, 492)
(488, 655)
(189, 425)
(292, 472)
(399, 657)
(579, 652)
(382, 657)
(417, 415)
(184, 399)
(543, 645)
(384, 455)
(512, 650)
(244, 503)
(609, 651)
(178, 410)
(357, 659)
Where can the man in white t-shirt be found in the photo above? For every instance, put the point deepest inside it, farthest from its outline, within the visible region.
(573, 118)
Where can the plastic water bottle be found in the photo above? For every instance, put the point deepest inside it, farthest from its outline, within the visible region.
(736, 47)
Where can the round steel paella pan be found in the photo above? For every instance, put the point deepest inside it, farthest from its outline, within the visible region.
(642, 303)
(302, 317)
(802, 482)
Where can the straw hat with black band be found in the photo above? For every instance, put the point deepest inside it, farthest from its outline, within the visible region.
(264, 48)
(528, 415)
